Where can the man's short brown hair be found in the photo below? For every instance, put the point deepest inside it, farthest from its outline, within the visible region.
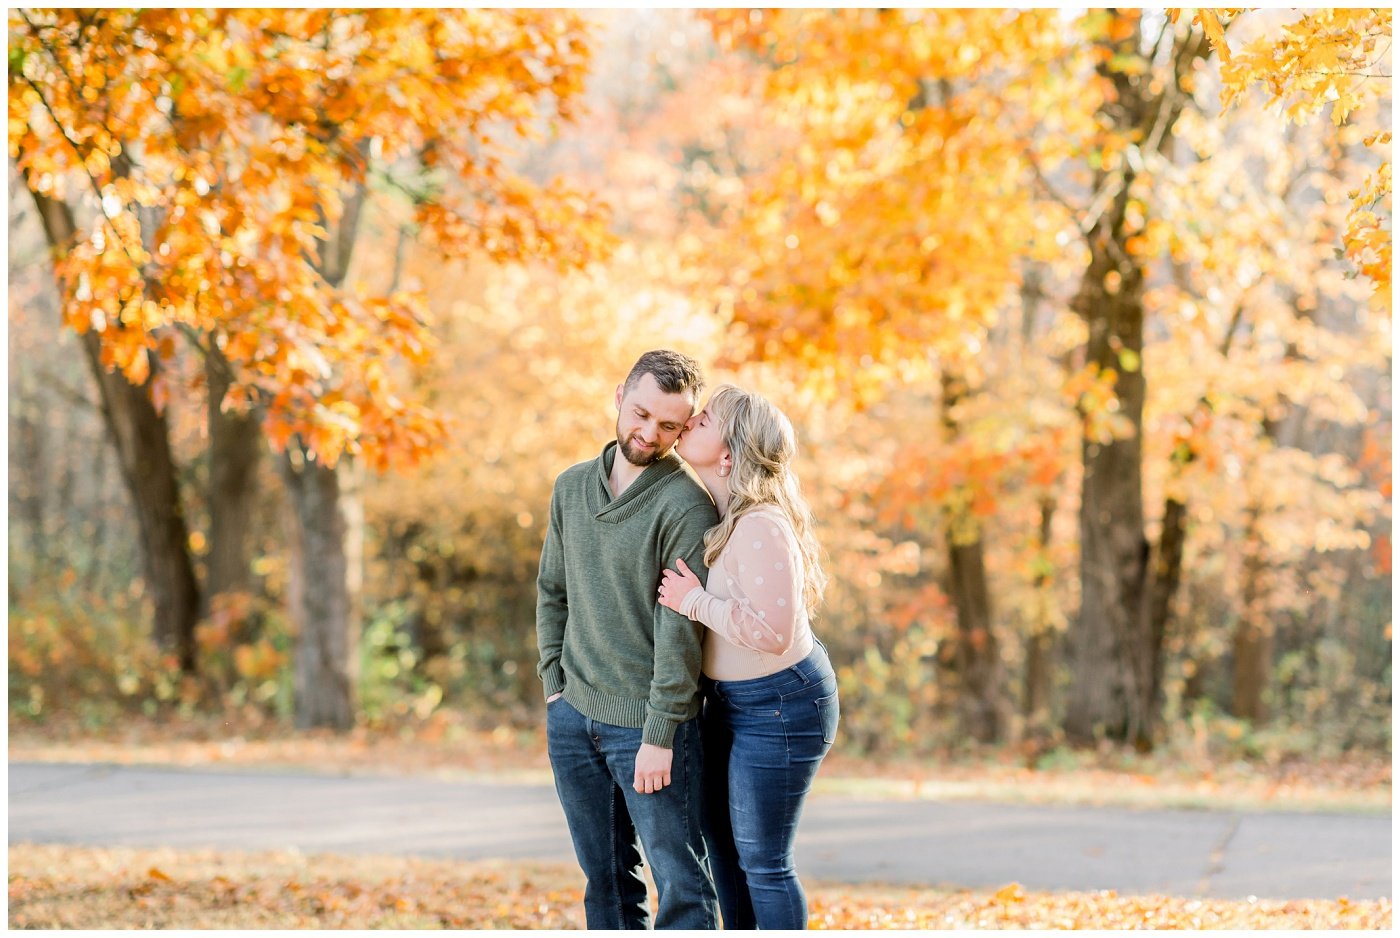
(674, 373)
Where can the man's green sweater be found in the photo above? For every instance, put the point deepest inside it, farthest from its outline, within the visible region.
(619, 656)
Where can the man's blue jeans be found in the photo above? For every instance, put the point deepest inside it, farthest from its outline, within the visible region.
(593, 765)
(764, 740)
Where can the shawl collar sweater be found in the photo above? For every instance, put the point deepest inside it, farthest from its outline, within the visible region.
(617, 654)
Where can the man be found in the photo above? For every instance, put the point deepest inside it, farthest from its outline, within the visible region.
(620, 670)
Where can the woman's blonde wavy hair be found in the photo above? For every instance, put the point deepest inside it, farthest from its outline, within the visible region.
(762, 445)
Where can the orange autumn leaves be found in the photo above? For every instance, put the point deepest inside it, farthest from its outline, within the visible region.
(904, 204)
(923, 168)
(74, 887)
(1013, 906)
(221, 163)
(891, 227)
(1329, 59)
(214, 154)
(66, 887)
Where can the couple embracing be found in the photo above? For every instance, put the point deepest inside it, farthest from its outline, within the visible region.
(688, 703)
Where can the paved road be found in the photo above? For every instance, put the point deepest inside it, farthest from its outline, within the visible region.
(1186, 853)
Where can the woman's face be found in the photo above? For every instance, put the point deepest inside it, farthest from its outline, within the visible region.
(700, 443)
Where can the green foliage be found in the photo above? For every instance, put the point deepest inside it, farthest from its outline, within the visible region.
(1059, 759)
(1209, 734)
(452, 614)
(890, 699)
(1325, 690)
(391, 682)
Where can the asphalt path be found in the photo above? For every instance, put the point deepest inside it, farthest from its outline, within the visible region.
(1225, 854)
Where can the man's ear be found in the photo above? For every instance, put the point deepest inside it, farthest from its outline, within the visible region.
(617, 398)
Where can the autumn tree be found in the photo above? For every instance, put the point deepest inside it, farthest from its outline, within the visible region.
(528, 359)
(203, 178)
(1139, 88)
(67, 503)
(1333, 60)
(887, 240)
(845, 268)
(1330, 180)
(1260, 321)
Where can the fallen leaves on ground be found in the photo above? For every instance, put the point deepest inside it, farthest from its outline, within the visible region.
(83, 887)
(851, 907)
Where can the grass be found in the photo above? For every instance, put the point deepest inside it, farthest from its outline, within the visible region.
(82, 887)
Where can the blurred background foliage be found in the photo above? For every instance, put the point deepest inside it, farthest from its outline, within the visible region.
(744, 174)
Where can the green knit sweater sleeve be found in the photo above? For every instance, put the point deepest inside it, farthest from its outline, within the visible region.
(676, 667)
(552, 603)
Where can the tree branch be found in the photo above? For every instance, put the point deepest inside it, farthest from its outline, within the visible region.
(1055, 195)
(76, 147)
(69, 394)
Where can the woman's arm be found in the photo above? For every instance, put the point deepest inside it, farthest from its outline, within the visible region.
(763, 574)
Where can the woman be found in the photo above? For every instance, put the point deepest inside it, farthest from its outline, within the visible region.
(770, 693)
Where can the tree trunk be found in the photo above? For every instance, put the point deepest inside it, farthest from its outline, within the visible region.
(1254, 634)
(1038, 679)
(1171, 546)
(978, 657)
(1253, 641)
(141, 437)
(351, 475)
(1111, 645)
(235, 448)
(320, 604)
(326, 551)
(1036, 700)
(1166, 580)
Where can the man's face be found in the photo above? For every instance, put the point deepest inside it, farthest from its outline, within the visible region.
(649, 420)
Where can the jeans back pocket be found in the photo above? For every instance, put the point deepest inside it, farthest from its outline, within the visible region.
(829, 714)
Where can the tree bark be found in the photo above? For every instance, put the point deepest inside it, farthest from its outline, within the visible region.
(1111, 644)
(235, 448)
(326, 552)
(141, 436)
(1036, 700)
(320, 602)
(1037, 688)
(1171, 546)
(978, 657)
(1166, 580)
(1254, 633)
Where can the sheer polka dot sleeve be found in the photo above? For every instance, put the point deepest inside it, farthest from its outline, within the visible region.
(763, 575)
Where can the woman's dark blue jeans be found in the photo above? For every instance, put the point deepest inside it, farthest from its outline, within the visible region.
(764, 740)
(593, 764)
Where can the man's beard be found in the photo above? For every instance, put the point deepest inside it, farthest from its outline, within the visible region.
(635, 455)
